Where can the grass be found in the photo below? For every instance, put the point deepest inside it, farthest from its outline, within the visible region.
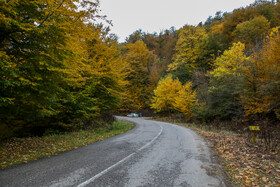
(22, 150)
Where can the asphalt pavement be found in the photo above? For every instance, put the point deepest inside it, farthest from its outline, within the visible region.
(152, 154)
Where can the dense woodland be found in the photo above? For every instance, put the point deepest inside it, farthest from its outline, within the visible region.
(61, 69)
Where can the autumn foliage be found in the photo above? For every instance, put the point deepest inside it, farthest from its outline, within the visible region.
(172, 95)
(60, 68)
(262, 78)
(139, 87)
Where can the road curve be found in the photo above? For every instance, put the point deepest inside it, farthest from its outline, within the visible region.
(152, 154)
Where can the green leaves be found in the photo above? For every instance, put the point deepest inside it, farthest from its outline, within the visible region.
(56, 64)
(253, 31)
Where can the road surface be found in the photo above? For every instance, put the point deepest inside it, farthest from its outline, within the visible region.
(152, 154)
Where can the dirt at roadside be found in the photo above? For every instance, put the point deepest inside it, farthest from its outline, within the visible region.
(246, 164)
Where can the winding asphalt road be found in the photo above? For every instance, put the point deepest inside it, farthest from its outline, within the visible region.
(152, 154)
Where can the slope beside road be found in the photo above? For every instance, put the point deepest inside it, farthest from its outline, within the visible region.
(152, 154)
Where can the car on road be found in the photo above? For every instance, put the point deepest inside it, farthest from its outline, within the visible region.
(132, 115)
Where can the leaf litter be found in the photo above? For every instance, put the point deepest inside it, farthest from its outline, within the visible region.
(246, 164)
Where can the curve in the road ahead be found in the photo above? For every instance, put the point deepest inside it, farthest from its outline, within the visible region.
(120, 162)
(152, 154)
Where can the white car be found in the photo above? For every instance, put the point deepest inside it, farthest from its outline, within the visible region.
(132, 115)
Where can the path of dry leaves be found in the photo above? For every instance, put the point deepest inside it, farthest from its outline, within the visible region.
(246, 164)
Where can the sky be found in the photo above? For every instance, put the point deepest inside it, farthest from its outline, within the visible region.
(156, 15)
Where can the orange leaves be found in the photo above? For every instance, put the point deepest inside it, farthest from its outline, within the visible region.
(256, 105)
(262, 78)
(256, 77)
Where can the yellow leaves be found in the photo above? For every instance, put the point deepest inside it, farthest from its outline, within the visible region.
(171, 94)
(138, 47)
(165, 94)
(187, 46)
(271, 55)
(137, 64)
(173, 66)
(26, 81)
(93, 60)
(185, 99)
(256, 105)
(217, 28)
(231, 62)
(274, 33)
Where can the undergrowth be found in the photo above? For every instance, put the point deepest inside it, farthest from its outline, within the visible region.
(22, 150)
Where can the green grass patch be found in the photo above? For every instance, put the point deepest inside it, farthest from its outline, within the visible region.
(22, 150)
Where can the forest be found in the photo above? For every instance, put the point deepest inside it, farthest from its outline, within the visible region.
(61, 69)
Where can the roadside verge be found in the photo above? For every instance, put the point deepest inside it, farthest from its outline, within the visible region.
(22, 150)
(245, 164)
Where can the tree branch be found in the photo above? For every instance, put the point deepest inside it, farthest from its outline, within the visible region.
(50, 14)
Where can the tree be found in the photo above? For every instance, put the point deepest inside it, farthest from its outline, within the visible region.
(33, 43)
(185, 100)
(165, 93)
(226, 82)
(187, 53)
(269, 10)
(238, 16)
(161, 44)
(138, 90)
(99, 79)
(252, 32)
(261, 95)
(57, 65)
(170, 94)
(231, 62)
(187, 46)
(134, 37)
